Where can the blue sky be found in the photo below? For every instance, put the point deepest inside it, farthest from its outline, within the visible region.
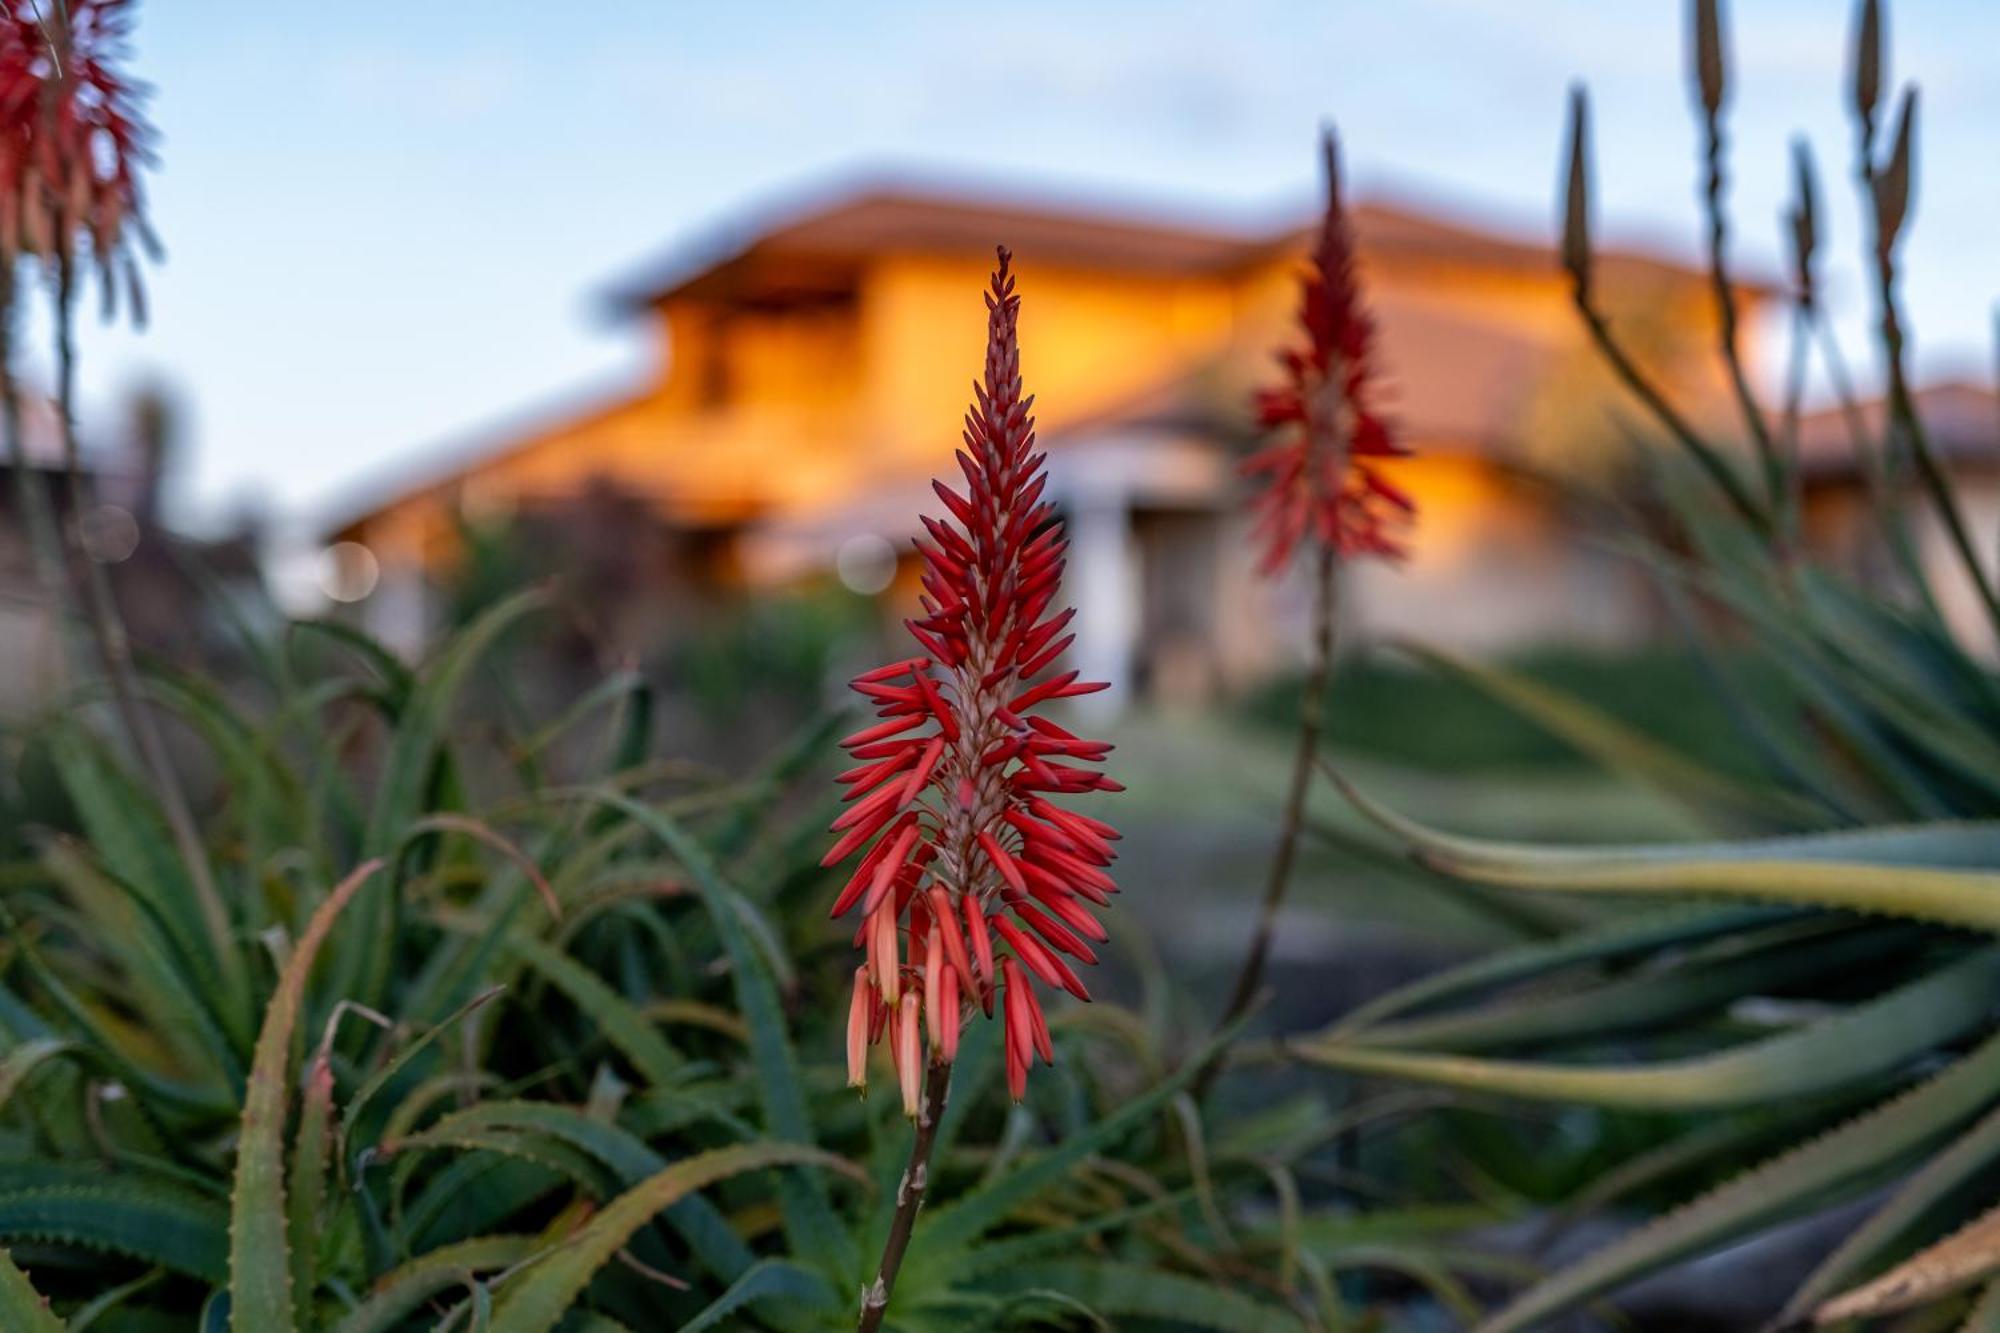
(387, 222)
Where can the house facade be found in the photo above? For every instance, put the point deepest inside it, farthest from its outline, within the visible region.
(813, 367)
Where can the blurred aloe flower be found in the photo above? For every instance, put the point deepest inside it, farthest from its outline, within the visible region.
(1321, 482)
(73, 139)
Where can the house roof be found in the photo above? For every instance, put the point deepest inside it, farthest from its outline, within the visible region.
(853, 222)
(821, 238)
(1961, 420)
(816, 243)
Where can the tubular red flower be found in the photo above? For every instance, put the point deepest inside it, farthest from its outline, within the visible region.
(860, 1013)
(951, 797)
(909, 1054)
(1322, 484)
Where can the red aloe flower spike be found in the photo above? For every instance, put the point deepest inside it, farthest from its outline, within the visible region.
(1321, 482)
(947, 803)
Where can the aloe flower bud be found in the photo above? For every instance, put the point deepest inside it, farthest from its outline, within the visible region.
(952, 802)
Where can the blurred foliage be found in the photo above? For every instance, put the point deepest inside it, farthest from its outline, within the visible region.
(732, 670)
(1390, 708)
(527, 1026)
(1782, 1024)
(776, 651)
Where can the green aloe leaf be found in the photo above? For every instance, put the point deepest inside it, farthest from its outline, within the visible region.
(1984, 1317)
(767, 1279)
(85, 1316)
(621, 1022)
(1891, 872)
(23, 1060)
(21, 1308)
(151, 1222)
(619, 693)
(477, 1193)
(956, 1226)
(1616, 746)
(407, 771)
(626, 1157)
(402, 1291)
(1853, 1157)
(1677, 925)
(263, 788)
(167, 979)
(1139, 1291)
(366, 954)
(1755, 963)
(535, 1299)
(364, 1096)
(1968, 1155)
(398, 680)
(305, 1193)
(1053, 1241)
(1866, 1041)
(129, 834)
(810, 1224)
(260, 1265)
(1967, 1256)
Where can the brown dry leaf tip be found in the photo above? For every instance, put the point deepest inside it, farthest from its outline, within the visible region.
(1709, 69)
(1893, 181)
(1576, 193)
(1802, 222)
(1868, 60)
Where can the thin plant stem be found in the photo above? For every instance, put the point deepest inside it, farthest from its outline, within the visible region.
(107, 635)
(1711, 461)
(1874, 467)
(909, 1199)
(31, 495)
(1726, 317)
(1877, 475)
(1909, 426)
(1790, 497)
(1312, 713)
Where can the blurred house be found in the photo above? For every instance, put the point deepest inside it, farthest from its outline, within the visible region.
(169, 588)
(1841, 471)
(813, 366)
(27, 628)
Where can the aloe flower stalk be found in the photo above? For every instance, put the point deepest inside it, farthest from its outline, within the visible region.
(1322, 490)
(72, 143)
(973, 884)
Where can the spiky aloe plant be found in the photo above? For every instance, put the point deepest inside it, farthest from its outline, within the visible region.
(515, 1042)
(457, 1026)
(1867, 915)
